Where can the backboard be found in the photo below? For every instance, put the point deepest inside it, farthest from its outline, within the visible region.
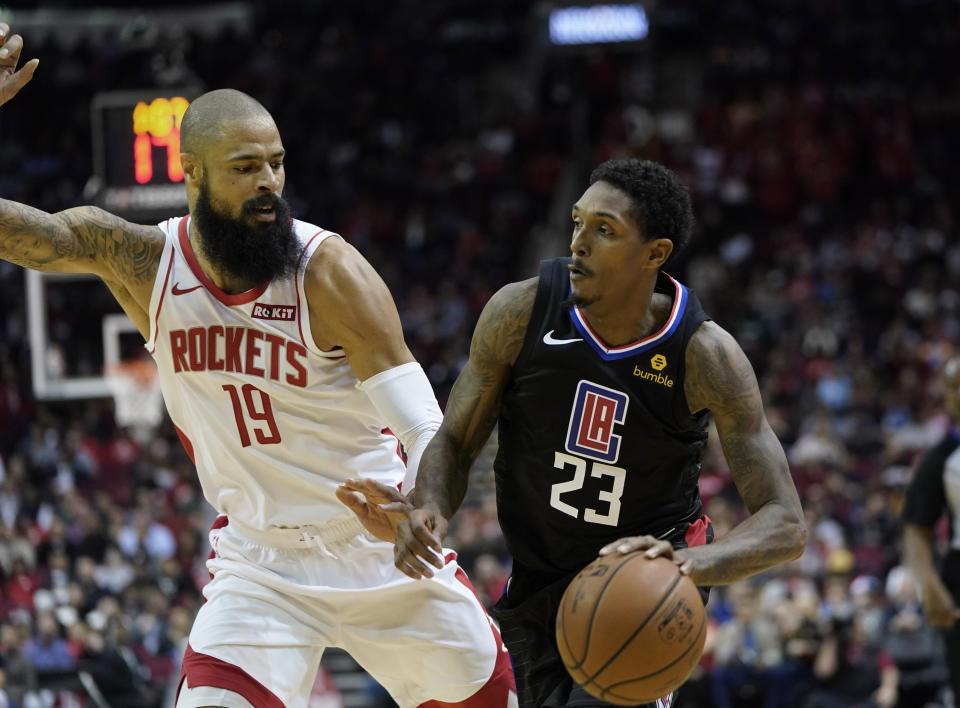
(76, 332)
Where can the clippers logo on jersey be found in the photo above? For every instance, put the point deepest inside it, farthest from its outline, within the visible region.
(287, 313)
(596, 410)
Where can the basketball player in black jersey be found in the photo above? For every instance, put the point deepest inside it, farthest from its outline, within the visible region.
(601, 373)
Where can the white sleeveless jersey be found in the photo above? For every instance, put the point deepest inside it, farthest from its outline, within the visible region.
(272, 423)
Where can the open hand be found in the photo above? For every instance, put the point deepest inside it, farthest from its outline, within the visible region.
(379, 507)
(11, 80)
(653, 546)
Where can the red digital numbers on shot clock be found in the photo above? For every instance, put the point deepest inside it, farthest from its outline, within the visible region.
(136, 151)
(157, 124)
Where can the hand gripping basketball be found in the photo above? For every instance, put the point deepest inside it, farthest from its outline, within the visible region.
(654, 547)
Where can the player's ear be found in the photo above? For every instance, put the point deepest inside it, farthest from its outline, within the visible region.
(658, 251)
(192, 167)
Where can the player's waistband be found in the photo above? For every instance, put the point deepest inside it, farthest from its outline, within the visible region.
(303, 536)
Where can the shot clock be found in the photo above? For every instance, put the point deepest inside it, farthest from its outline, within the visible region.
(136, 159)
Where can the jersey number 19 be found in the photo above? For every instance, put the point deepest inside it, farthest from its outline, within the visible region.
(245, 407)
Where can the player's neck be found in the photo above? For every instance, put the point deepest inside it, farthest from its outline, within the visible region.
(621, 322)
(226, 283)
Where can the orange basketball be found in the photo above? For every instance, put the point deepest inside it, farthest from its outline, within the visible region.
(631, 629)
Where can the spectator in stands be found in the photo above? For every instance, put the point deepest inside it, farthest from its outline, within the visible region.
(21, 676)
(747, 650)
(46, 650)
(913, 644)
(112, 674)
(850, 670)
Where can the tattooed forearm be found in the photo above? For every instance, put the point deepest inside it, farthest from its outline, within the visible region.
(81, 240)
(752, 457)
(32, 238)
(763, 540)
(472, 411)
(441, 481)
(720, 378)
(774, 532)
(474, 403)
(469, 417)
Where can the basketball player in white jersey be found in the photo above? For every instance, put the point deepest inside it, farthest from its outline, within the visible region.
(284, 369)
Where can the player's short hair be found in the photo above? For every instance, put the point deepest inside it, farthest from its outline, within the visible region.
(661, 203)
(205, 115)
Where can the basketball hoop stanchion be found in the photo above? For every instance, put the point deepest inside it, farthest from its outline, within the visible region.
(135, 386)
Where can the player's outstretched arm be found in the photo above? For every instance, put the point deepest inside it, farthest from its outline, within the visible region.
(86, 240)
(11, 80)
(81, 240)
(472, 411)
(720, 378)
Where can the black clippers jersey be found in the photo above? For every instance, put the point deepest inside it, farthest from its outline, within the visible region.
(596, 443)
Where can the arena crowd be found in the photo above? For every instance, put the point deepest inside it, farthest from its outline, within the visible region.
(818, 140)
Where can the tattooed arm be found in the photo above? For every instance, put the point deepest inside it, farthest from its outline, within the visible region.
(82, 240)
(719, 377)
(86, 240)
(472, 410)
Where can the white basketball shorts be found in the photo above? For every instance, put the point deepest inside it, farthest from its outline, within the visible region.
(271, 609)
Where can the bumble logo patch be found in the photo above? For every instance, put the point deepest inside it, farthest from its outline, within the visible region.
(659, 363)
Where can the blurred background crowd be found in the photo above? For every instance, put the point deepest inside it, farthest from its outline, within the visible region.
(447, 141)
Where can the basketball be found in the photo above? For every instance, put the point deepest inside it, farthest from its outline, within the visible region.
(631, 629)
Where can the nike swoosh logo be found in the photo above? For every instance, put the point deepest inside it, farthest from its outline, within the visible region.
(177, 291)
(548, 339)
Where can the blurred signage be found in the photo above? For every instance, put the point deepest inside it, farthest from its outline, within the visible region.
(598, 24)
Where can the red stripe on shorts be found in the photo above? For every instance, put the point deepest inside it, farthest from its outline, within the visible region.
(204, 670)
(494, 693)
(697, 531)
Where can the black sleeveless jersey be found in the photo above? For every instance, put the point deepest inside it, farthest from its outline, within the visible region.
(595, 442)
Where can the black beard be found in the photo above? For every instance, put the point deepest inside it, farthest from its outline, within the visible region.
(577, 300)
(255, 253)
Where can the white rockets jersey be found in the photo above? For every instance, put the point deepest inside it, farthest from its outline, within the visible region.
(272, 423)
